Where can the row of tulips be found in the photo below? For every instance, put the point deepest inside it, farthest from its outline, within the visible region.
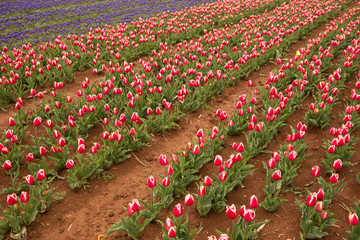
(282, 167)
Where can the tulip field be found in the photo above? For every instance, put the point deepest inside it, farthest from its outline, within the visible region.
(228, 119)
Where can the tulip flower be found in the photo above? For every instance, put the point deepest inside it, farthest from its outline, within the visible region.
(171, 232)
(324, 215)
(320, 194)
(222, 176)
(311, 200)
(337, 164)
(178, 210)
(189, 200)
(81, 148)
(271, 163)
(170, 170)
(70, 164)
(353, 219)
(29, 179)
(41, 175)
(166, 182)
(334, 178)
(11, 122)
(135, 205)
(37, 121)
(151, 182)
(202, 191)
(163, 160)
(207, 181)
(24, 197)
(218, 160)
(231, 212)
(276, 175)
(42, 151)
(292, 156)
(7, 165)
(249, 215)
(174, 158)
(223, 237)
(315, 171)
(12, 199)
(319, 206)
(253, 202)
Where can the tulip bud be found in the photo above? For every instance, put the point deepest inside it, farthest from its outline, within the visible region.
(189, 200)
(231, 212)
(174, 158)
(207, 181)
(315, 171)
(201, 191)
(222, 176)
(320, 194)
(166, 182)
(240, 148)
(7, 165)
(337, 164)
(218, 160)
(170, 170)
(163, 160)
(271, 163)
(331, 149)
(319, 206)
(276, 175)
(334, 178)
(172, 232)
(178, 210)
(324, 215)
(11, 199)
(292, 156)
(276, 156)
(253, 202)
(151, 182)
(41, 175)
(42, 151)
(81, 148)
(29, 179)
(11, 122)
(24, 197)
(311, 200)
(37, 121)
(70, 164)
(353, 219)
(196, 150)
(249, 215)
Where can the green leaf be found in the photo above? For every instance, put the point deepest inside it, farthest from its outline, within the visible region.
(4, 226)
(119, 226)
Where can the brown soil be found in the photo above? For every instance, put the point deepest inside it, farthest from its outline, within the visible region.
(87, 214)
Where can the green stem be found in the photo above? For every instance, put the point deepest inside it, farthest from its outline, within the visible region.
(246, 230)
(188, 215)
(275, 189)
(233, 226)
